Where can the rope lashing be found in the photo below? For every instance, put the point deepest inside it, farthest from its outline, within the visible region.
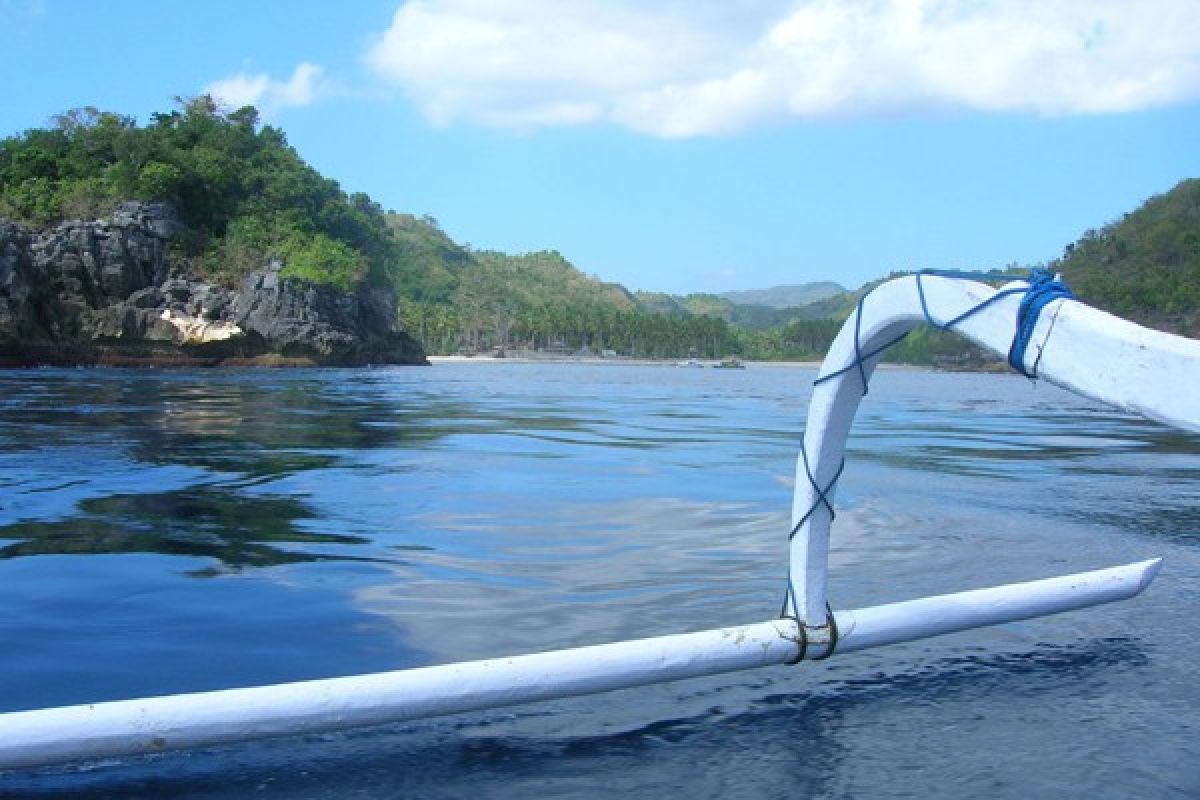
(859, 358)
(802, 643)
(949, 324)
(822, 500)
(833, 635)
(822, 494)
(1043, 287)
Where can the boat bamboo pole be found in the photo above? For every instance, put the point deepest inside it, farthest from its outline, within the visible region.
(152, 725)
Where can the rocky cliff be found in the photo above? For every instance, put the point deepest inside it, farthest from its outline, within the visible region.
(105, 291)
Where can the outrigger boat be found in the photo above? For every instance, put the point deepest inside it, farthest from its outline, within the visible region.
(1058, 340)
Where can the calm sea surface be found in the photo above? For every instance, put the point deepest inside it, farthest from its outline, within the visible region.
(174, 531)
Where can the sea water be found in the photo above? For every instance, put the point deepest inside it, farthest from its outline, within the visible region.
(177, 531)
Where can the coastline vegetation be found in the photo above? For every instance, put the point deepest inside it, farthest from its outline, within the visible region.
(245, 197)
(1146, 265)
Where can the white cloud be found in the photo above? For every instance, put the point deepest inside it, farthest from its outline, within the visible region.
(717, 66)
(306, 84)
(30, 9)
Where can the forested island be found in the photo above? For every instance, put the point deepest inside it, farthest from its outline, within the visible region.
(200, 237)
(203, 237)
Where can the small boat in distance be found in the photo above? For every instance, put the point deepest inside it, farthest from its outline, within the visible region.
(691, 362)
(729, 363)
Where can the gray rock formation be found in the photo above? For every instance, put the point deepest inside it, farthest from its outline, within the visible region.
(104, 292)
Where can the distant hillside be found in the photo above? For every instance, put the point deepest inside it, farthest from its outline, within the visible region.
(459, 299)
(695, 303)
(456, 297)
(749, 317)
(789, 296)
(1145, 266)
(835, 306)
(658, 302)
(433, 268)
(430, 263)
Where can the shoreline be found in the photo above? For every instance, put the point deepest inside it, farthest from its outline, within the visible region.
(641, 362)
(602, 362)
(187, 361)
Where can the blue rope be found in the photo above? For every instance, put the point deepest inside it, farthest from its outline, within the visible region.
(1042, 289)
(822, 500)
(945, 326)
(822, 494)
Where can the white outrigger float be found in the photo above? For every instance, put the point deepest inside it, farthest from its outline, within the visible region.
(1069, 344)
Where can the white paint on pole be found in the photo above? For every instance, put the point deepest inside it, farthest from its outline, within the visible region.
(127, 727)
(949, 613)
(1078, 348)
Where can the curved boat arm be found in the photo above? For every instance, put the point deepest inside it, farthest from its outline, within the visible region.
(1074, 346)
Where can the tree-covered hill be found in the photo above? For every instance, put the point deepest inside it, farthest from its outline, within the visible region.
(787, 296)
(1146, 265)
(198, 237)
(429, 264)
(483, 300)
(246, 198)
(750, 317)
(243, 194)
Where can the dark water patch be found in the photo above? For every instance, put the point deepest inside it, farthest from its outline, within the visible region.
(1171, 523)
(254, 426)
(237, 530)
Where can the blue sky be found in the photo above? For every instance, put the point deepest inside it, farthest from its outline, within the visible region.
(677, 146)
